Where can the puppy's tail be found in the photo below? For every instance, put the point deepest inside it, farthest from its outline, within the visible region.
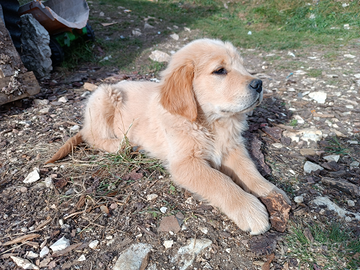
(66, 148)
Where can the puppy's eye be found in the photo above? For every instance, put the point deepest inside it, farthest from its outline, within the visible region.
(220, 71)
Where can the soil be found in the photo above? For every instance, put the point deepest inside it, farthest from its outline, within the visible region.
(96, 196)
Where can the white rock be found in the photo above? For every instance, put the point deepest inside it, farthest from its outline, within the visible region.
(354, 164)
(75, 129)
(44, 251)
(319, 97)
(249, 33)
(151, 197)
(299, 119)
(159, 56)
(132, 258)
(310, 167)
(31, 255)
(81, 258)
(334, 207)
(291, 54)
(168, 243)
(353, 142)
(41, 101)
(32, 177)
(204, 230)
(49, 182)
(290, 89)
(148, 26)
(311, 134)
(136, 32)
(357, 76)
(349, 55)
(175, 36)
(348, 219)
(187, 29)
(23, 263)
(187, 254)
(332, 158)
(163, 209)
(350, 203)
(93, 244)
(299, 199)
(60, 244)
(277, 145)
(346, 26)
(45, 110)
(63, 99)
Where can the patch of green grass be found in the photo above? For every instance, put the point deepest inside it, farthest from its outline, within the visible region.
(330, 246)
(314, 72)
(334, 146)
(293, 123)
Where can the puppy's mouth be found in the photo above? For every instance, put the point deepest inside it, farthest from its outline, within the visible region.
(248, 108)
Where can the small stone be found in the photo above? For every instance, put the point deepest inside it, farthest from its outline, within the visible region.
(81, 258)
(175, 36)
(348, 219)
(319, 97)
(49, 182)
(89, 86)
(134, 258)
(277, 145)
(44, 251)
(299, 199)
(31, 255)
(101, 14)
(148, 26)
(151, 197)
(354, 164)
(187, 254)
(332, 158)
(32, 177)
(60, 244)
(23, 263)
(168, 243)
(75, 129)
(299, 119)
(63, 99)
(93, 244)
(204, 230)
(136, 32)
(163, 209)
(353, 142)
(357, 76)
(159, 56)
(310, 167)
(350, 203)
(349, 55)
(45, 110)
(38, 102)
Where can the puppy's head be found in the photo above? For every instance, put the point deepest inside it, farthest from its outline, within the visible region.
(208, 74)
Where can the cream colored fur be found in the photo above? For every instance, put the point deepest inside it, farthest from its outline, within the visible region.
(192, 120)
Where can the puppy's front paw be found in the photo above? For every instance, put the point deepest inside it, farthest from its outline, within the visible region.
(251, 216)
(278, 205)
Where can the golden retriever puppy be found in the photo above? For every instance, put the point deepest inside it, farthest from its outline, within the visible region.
(192, 120)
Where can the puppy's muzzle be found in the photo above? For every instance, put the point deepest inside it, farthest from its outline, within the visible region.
(256, 85)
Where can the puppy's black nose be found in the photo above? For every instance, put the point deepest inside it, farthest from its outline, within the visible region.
(256, 85)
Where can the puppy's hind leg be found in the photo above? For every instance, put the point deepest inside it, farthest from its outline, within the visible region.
(99, 123)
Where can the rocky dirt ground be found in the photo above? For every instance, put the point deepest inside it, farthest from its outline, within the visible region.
(92, 210)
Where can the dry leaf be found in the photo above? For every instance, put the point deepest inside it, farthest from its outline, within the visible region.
(59, 184)
(89, 86)
(104, 209)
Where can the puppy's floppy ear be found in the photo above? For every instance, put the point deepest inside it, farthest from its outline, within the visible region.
(177, 95)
